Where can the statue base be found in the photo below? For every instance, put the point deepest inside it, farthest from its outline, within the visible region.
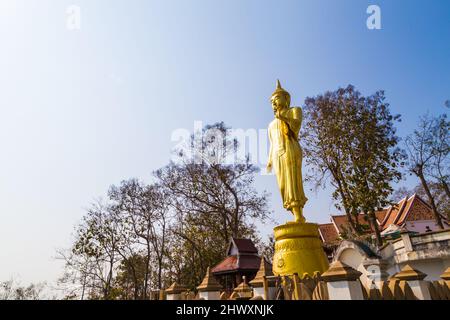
(298, 249)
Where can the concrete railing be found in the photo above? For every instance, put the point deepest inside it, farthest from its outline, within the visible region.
(339, 282)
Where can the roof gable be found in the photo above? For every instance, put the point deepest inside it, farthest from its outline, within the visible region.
(381, 214)
(408, 209)
(343, 225)
(419, 210)
(241, 246)
(401, 216)
(394, 212)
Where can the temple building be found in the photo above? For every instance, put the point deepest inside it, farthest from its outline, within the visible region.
(411, 237)
(411, 214)
(242, 260)
(428, 252)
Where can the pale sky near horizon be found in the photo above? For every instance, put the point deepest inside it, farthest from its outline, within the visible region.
(81, 110)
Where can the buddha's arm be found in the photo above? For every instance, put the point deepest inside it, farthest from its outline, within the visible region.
(296, 121)
(293, 118)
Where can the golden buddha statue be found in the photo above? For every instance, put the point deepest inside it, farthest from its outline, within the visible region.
(285, 152)
(298, 248)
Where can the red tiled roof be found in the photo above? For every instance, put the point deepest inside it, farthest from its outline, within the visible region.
(408, 209)
(418, 210)
(341, 222)
(413, 209)
(244, 257)
(328, 233)
(393, 214)
(229, 263)
(381, 214)
(235, 263)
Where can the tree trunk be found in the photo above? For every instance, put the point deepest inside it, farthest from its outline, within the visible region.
(437, 216)
(160, 273)
(83, 287)
(346, 207)
(441, 177)
(373, 222)
(147, 269)
(136, 284)
(445, 187)
(106, 291)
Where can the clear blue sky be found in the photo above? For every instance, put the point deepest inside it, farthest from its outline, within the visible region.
(86, 109)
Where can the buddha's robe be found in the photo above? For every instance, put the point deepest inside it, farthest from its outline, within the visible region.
(286, 157)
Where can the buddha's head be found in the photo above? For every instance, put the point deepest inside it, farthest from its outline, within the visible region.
(281, 99)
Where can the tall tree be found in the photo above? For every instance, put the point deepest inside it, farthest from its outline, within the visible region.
(214, 198)
(440, 167)
(324, 134)
(142, 211)
(130, 280)
(352, 140)
(375, 156)
(121, 240)
(96, 245)
(145, 236)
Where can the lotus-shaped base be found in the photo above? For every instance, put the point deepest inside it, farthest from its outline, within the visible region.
(298, 249)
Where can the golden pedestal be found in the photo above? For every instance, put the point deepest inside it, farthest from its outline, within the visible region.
(298, 249)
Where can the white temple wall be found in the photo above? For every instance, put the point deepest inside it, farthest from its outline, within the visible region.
(432, 267)
(354, 259)
(421, 226)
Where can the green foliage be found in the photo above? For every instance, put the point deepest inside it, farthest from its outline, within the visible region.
(129, 282)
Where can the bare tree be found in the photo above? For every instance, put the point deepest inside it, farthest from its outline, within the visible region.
(143, 213)
(145, 236)
(427, 150)
(6, 289)
(95, 250)
(79, 274)
(213, 199)
(440, 167)
(12, 290)
(213, 188)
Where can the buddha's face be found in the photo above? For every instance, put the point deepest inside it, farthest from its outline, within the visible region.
(279, 102)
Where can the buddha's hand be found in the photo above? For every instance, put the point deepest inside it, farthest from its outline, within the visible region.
(281, 115)
(269, 167)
